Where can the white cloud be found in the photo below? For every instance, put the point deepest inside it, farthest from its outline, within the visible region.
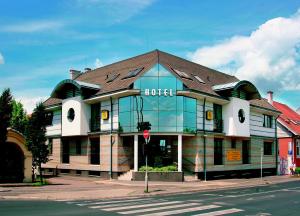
(269, 56)
(30, 103)
(98, 63)
(115, 11)
(33, 26)
(1, 59)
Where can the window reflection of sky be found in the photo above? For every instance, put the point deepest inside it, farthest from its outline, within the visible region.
(165, 113)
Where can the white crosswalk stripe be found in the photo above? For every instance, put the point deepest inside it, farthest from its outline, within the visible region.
(221, 212)
(151, 206)
(179, 211)
(139, 206)
(115, 201)
(158, 208)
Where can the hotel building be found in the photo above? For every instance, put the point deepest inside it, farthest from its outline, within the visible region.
(203, 121)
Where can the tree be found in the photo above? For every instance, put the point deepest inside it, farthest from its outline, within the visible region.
(36, 138)
(5, 114)
(19, 117)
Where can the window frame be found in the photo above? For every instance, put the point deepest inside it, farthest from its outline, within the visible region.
(78, 147)
(267, 121)
(50, 146)
(267, 151)
(297, 148)
(218, 152)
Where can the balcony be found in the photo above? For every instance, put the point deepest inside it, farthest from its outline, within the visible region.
(95, 124)
(218, 125)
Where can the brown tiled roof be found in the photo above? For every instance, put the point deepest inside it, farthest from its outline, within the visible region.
(52, 101)
(146, 61)
(263, 103)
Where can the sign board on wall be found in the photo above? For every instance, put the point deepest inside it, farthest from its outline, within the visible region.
(209, 115)
(233, 155)
(105, 114)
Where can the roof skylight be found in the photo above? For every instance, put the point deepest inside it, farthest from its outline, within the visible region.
(182, 74)
(112, 77)
(133, 73)
(199, 79)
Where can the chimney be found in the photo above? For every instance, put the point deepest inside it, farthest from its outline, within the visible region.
(74, 73)
(87, 69)
(270, 97)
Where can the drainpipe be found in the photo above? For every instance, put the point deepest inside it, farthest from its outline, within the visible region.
(204, 141)
(111, 140)
(276, 143)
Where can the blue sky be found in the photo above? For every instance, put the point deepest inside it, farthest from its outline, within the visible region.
(255, 40)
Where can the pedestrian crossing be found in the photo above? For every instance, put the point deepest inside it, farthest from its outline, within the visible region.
(151, 206)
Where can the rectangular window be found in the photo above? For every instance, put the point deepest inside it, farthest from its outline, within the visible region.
(298, 147)
(218, 152)
(78, 147)
(267, 121)
(268, 148)
(218, 122)
(233, 143)
(246, 151)
(50, 146)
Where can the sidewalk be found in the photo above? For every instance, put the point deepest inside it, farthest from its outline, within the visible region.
(80, 188)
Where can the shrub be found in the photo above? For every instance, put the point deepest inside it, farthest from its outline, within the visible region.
(297, 170)
(170, 168)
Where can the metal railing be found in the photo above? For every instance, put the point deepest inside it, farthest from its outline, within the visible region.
(95, 124)
(218, 125)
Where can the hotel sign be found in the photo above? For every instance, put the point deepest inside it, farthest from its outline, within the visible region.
(233, 155)
(159, 92)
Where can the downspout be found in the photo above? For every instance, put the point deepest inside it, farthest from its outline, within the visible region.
(276, 147)
(111, 140)
(204, 141)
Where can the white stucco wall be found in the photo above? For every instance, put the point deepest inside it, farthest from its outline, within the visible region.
(232, 125)
(55, 128)
(80, 124)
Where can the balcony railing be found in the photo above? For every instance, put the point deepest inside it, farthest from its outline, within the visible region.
(95, 124)
(218, 125)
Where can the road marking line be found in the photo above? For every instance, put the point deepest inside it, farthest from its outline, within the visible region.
(182, 210)
(221, 212)
(122, 204)
(158, 208)
(137, 206)
(111, 202)
(257, 193)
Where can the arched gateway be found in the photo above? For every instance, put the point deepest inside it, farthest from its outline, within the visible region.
(15, 160)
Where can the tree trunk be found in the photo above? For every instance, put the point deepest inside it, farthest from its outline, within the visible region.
(32, 175)
(41, 174)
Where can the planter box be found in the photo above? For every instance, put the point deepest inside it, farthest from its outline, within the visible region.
(158, 176)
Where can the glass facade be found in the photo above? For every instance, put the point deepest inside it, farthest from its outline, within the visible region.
(158, 104)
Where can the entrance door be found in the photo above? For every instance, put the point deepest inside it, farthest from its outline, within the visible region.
(95, 151)
(66, 152)
(246, 151)
(11, 163)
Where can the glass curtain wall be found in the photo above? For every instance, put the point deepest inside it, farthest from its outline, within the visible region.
(158, 104)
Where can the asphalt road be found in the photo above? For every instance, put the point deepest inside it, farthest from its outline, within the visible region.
(280, 199)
